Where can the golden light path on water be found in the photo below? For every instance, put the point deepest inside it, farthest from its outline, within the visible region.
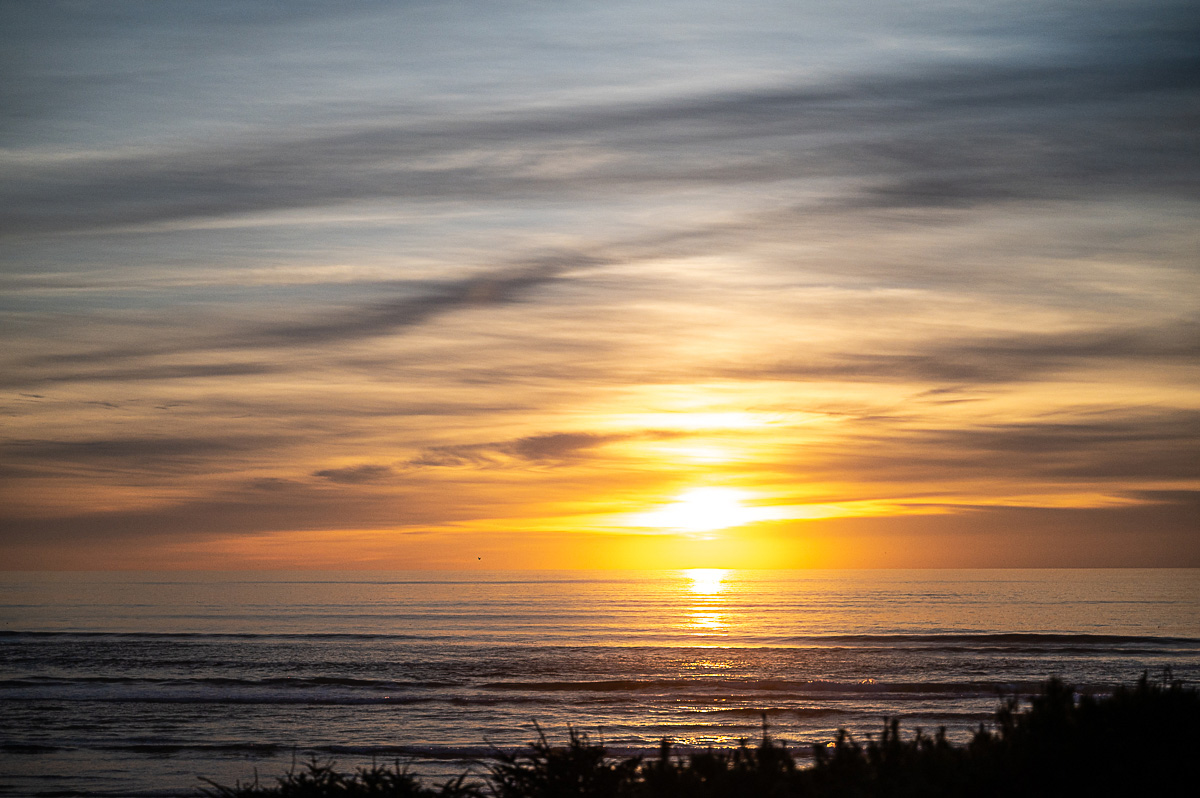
(708, 615)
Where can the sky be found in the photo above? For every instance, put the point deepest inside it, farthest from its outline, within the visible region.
(654, 284)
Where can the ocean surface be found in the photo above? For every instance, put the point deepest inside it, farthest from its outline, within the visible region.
(139, 684)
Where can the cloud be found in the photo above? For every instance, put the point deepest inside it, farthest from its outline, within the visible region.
(284, 508)
(416, 303)
(1108, 452)
(554, 448)
(1136, 535)
(355, 475)
(1182, 498)
(1097, 119)
(558, 446)
(495, 288)
(187, 453)
(164, 371)
(998, 359)
(1146, 447)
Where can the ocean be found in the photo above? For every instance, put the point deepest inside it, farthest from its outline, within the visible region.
(139, 684)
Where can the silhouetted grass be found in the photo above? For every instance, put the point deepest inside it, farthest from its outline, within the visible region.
(1143, 740)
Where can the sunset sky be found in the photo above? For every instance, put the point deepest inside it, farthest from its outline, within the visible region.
(615, 284)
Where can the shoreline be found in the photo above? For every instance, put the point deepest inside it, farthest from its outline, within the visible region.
(1062, 743)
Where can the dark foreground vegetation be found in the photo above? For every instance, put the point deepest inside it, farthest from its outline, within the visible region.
(1143, 740)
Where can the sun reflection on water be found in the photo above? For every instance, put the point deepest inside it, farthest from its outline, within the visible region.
(708, 622)
(708, 614)
(707, 581)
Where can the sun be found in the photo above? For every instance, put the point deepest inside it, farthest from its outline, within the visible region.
(703, 510)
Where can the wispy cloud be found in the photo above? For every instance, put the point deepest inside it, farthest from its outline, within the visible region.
(556, 447)
(355, 475)
(1001, 359)
(1101, 453)
(417, 303)
(1100, 119)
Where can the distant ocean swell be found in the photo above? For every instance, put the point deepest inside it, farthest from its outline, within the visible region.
(726, 687)
(547, 700)
(857, 641)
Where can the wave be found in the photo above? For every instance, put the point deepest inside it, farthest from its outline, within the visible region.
(174, 695)
(279, 700)
(955, 637)
(299, 682)
(420, 751)
(89, 634)
(791, 687)
(755, 713)
(460, 753)
(34, 749)
(1000, 639)
(1020, 639)
(725, 686)
(356, 690)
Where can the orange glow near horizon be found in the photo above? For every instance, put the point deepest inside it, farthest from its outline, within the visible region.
(697, 485)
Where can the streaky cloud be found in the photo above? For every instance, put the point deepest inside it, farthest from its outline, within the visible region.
(558, 447)
(132, 375)
(999, 359)
(186, 453)
(355, 475)
(1103, 450)
(419, 303)
(1106, 119)
(495, 288)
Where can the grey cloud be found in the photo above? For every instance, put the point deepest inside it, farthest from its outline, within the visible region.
(499, 287)
(558, 446)
(285, 506)
(1164, 447)
(1182, 498)
(187, 454)
(450, 457)
(553, 448)
(1001, 359)
(1142, 535)
(355, 475)
(418, 303)
(1121, 430)
(1116, 446)
(271, 484)
(1112, 117)
(550, 449)
(137, 374)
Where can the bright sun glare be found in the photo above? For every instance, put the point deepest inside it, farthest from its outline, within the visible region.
(706, 581)
(703, 510)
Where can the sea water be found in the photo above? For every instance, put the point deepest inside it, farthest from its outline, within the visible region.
(143, 683)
